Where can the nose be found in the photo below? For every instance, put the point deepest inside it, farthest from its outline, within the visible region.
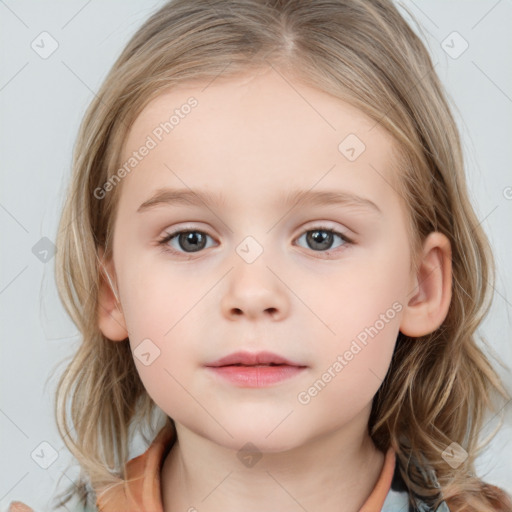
(255, 291)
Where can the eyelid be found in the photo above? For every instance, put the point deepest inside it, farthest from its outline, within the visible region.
(324, 224)
(171, 233)
(348, 235)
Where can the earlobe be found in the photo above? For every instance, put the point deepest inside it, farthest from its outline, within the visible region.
(110, 315)
(428, 303)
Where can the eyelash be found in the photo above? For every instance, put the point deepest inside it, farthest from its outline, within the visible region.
(163, 242)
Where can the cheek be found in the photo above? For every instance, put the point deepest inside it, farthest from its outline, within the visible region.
(157, 300)
(163, 347)
(165, 318)
(367, 288)
(364, 309)
(362, 360)
(345, 384)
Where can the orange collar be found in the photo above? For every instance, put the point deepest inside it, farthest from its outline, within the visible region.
(141, 491)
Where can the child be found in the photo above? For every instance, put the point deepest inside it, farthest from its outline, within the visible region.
(316, 351)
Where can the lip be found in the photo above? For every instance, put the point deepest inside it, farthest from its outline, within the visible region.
(252, 359)
(255, 370)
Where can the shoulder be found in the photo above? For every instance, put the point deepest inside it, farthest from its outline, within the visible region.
(398, 498)
(18, 506)
(494, 497)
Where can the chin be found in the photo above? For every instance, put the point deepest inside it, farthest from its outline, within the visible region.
(262, 438)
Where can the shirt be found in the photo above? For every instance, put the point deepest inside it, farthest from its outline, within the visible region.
(143, 494)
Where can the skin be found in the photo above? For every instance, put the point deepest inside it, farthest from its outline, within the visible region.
(254, 138)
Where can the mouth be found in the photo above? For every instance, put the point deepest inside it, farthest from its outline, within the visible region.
(254, 365)
(253, 359)
(262, 369)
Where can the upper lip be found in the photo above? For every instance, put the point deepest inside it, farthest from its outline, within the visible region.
(252, 358)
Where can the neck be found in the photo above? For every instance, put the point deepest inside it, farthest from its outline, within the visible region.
(334, 472)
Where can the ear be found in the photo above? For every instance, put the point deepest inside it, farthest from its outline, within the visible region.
(110, 315)
(431, 288)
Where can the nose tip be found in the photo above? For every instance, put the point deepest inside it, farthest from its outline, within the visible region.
(271, 311)
(254, 291)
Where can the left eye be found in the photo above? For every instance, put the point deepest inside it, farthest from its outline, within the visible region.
(321, 239)
(189, 241)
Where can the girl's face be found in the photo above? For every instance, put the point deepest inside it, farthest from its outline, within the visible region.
(258, 272)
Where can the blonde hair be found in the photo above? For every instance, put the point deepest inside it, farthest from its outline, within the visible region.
(438, 387)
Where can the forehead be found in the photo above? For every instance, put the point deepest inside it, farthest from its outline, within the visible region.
(254, 133)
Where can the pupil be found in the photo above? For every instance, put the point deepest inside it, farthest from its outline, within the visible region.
(192, 240)
(320, 239)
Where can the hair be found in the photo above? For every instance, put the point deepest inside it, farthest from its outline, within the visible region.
(363, 52)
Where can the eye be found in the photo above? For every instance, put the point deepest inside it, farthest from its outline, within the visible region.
(320, 239)
(188, 241)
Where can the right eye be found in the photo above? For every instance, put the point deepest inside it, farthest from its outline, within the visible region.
(189, 241)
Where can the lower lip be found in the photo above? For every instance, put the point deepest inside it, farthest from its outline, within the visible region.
(256, 376)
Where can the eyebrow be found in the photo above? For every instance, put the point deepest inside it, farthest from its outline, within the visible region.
(169, 196)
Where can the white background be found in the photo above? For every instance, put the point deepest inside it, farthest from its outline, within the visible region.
(42, 102)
